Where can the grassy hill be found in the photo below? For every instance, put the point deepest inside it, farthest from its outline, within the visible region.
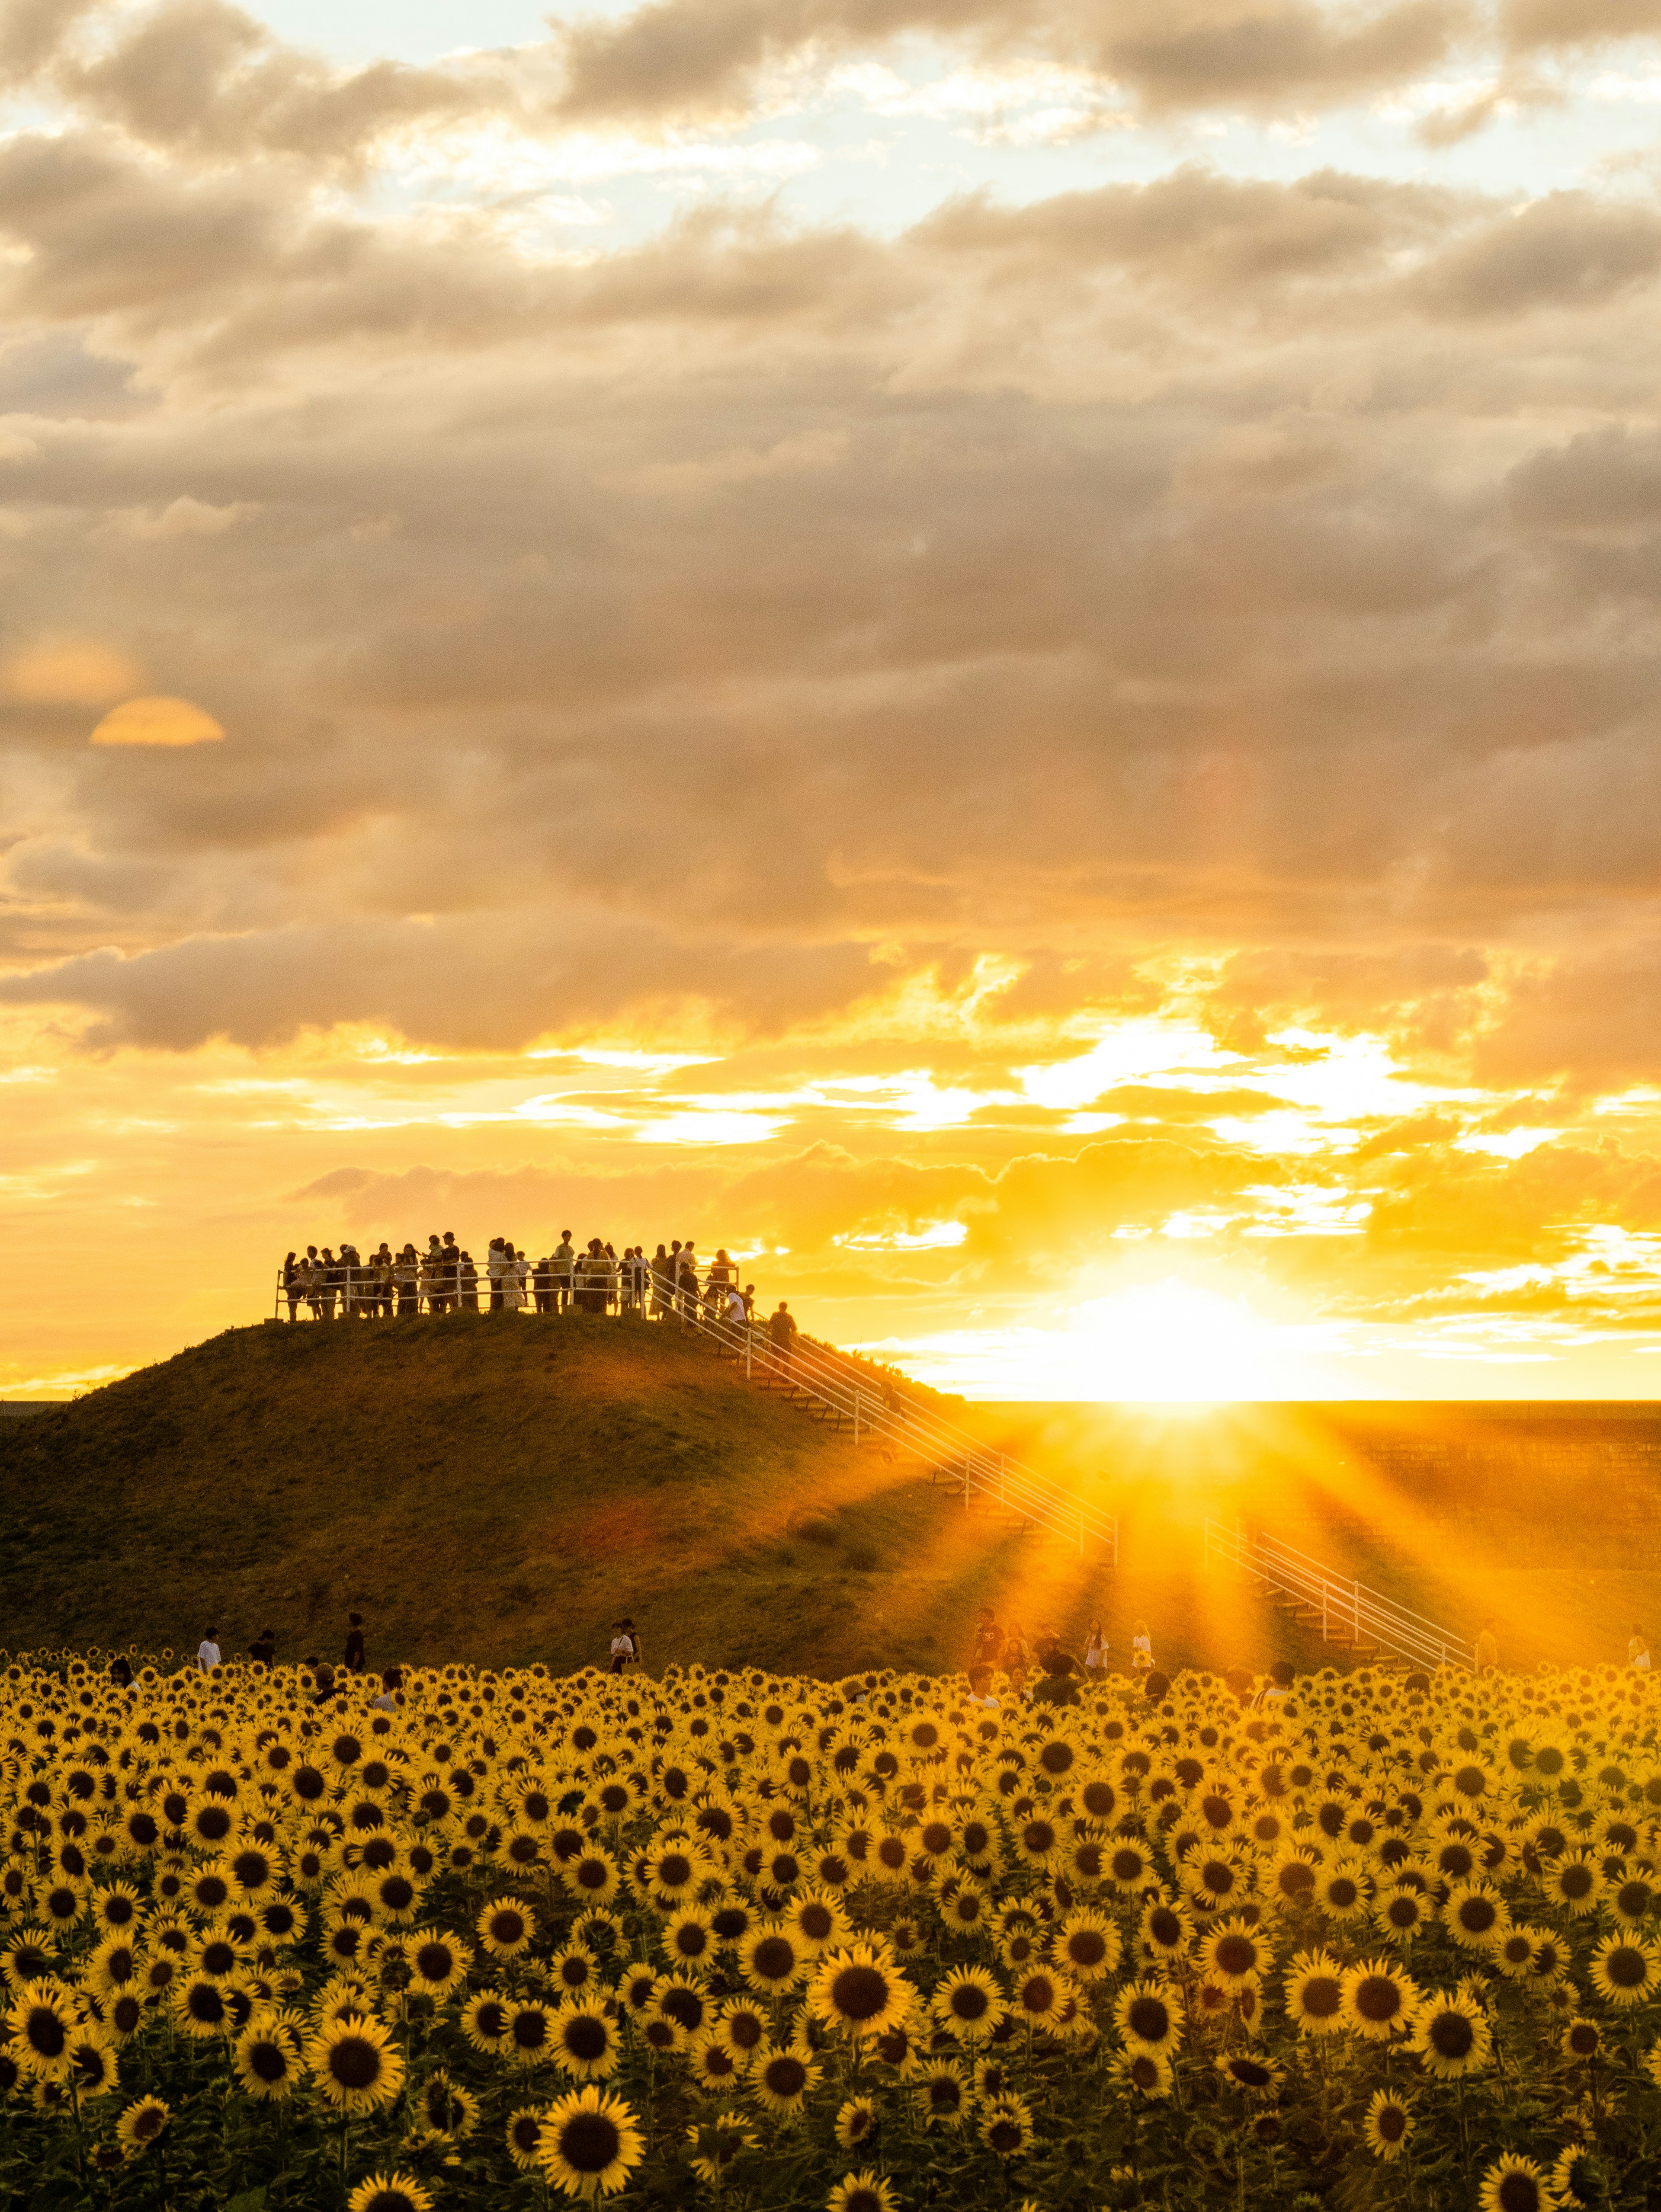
(501, 1490)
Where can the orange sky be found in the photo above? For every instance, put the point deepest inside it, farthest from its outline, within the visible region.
(998, 659)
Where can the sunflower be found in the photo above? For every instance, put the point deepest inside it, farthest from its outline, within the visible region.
(1087, 1946)
(1575, 1883)
(1342, 1890)
(1575, 2178)
(1377, 1999)
(1234, 1954)
(1582, 2040)
(585, 2042)
(354, 2063)
(1475, 1915)
(1243, 2070)
(506, 1928)
(1626, 1971)
(857, 2123)
(117, 1909)
(1315, 1994)
(390, 2192)
(716, 2144)
(1146, 2072)
(201, 2005)
(1514, 2184)
(713, 2068)
(1292, 1879)
(575, 1971)
(266, 2057)
(530, 2034)
(446, 2107)
(592, 1877)
(859, 1990)
(1452, 2036)
(689, 1936)
(672, 1873)
(1166, 1931)
(1402, 1913)
(742, 2028)
(687, 2003)
(590, 2142)
(864, 2192)
(1128, 1866)
(1388, 2125)
(1149, 2016)
(524, 2137)
(781, 2079)
(943, 2095)
(1006, 2128)
(143, 2123)
(438, 1963)
(816, 1920)
(92, 2064)
(970, 2002)
(772, 1959)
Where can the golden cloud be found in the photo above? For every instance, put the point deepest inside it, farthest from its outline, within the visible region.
(157, 721)
(71, 672)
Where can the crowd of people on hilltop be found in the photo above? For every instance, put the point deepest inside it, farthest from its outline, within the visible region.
(341, 1285)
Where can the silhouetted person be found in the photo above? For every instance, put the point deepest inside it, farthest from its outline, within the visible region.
(781, 1329)
(263, 1647)
(353, 1661)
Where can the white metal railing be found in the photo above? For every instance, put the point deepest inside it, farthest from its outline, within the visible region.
(824, 1377)
(1341, 1601)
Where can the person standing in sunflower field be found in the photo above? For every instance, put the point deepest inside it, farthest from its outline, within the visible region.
(353, 1661)
(1487, 1648)
(1637, 1649)
(625, 1645)
(207, 1652)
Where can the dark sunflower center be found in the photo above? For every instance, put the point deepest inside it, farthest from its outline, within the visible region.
(785, 2076)
(1149, 2019)
(1378, 1998)
(859, 1992)
(355, 2062)
(586, 2038)
(1452, 2036)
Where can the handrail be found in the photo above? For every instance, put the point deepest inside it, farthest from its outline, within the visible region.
(845, 1388)
(1371, 1616)
(825, 1375)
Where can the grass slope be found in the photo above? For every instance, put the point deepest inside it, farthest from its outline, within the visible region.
(501, 1490)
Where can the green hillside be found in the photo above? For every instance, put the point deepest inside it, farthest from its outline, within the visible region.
(501, 1490)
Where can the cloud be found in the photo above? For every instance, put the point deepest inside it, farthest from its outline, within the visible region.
(69, 672)
(675, 56)
(1528, 24)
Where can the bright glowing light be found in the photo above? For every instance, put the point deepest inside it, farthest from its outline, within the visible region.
(1169, 1341)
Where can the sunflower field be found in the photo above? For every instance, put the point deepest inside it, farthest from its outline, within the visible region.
(749, 1940)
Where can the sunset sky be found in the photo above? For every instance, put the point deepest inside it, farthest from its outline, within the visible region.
(1004, 653)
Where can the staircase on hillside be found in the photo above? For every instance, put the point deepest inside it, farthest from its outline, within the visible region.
(1350, 1616)
(828, 1386)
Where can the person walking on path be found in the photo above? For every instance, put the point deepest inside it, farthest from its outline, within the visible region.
(1487, 1648)
(353, 1661)
(781, 1329)
(625, 1645)
(1637, 1649)
(1095, 1650)
(207, 1652)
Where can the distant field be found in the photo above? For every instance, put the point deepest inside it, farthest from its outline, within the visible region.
(503, 1490)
